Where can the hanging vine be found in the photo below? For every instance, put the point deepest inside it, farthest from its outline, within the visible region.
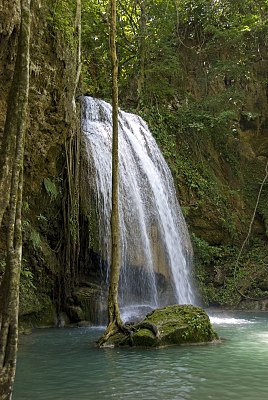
(70, 205)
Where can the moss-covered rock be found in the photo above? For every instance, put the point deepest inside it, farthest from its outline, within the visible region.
(171, 325)
(178, 324)
(38, 314)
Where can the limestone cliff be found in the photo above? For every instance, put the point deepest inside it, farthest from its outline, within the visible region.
(52, 125)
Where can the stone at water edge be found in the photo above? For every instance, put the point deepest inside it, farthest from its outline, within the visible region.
(176, 325)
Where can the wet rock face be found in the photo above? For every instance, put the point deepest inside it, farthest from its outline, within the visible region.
(90, 305)
(171, 325)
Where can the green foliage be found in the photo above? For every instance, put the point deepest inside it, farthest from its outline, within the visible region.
(215, 272)
(203, 251)
(26, 278)
(51, 188)
(224, 296)
(35, 239)
(61, 19)
(27, 288)
(212, 41)
(42, 218)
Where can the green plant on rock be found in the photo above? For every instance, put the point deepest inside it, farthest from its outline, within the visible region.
(51, 188)
(27, 288)
(35, 239)
(42, 218)
(26, 277)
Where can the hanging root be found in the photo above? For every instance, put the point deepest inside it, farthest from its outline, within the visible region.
(147, 325)
(128, 330)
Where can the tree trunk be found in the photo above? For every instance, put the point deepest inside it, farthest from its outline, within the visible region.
(114, 319)
(142, 50)
(14, 133)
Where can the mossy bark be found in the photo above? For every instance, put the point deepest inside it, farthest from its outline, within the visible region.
(13, 173)
(142, 50)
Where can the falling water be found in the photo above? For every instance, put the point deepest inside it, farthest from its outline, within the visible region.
(155, 245)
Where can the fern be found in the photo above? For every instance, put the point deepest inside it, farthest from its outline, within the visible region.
(35, 239)
(51, 188)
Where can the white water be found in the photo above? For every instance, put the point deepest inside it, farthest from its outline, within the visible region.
(154, 236)
(229, 321)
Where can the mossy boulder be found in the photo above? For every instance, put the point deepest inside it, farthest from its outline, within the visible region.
(176, 324)
(171, 325)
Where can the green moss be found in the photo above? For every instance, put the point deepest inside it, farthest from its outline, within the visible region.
(143, 338)
(36, 311)
(182, 324)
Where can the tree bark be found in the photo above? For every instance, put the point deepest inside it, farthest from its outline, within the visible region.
(114, 320)
(15, 127)
(142, 50)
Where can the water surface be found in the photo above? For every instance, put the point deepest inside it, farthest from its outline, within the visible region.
(63, 364)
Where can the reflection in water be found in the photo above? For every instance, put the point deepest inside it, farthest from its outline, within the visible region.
(262, 337)
(64, 364)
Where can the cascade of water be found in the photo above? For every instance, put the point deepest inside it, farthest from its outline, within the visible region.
(156, 250)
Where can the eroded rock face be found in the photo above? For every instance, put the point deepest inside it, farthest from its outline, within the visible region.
(171, 325)
(91, 300)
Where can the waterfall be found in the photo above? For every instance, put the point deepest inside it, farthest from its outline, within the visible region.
(156, 250)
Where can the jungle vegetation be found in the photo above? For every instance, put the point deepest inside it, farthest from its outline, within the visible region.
(196, 70)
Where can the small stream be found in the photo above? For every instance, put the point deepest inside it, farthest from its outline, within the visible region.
(63, 364)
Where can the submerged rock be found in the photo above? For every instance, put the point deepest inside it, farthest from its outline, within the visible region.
(171, 325)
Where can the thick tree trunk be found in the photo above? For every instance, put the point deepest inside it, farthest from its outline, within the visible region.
(114, 319)
(14, 135)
